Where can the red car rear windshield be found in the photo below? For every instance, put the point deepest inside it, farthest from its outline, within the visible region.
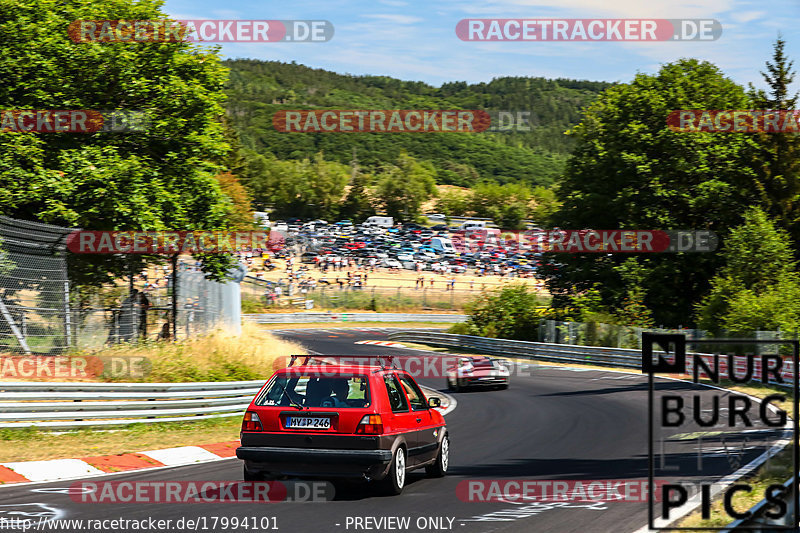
(316, 391)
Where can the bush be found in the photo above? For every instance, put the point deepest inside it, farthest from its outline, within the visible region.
(510, 313)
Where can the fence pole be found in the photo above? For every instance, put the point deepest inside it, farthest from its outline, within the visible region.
(174, 261)
(13, 326)
(67, 316)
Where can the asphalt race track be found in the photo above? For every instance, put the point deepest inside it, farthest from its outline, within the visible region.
(556, 424)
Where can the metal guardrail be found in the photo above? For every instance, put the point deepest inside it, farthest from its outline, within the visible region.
(80, 405)
(758, 523)
(558, 353)
(298, 318)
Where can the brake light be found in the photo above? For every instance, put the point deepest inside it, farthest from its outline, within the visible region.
(251, 422)
(370, 425)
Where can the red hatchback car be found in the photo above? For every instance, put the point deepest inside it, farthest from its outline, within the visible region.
(325, 420)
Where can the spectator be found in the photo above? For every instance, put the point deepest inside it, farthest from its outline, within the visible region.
(144, 305)
(166, 332)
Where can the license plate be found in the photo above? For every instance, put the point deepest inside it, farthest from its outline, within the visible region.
(308, 422)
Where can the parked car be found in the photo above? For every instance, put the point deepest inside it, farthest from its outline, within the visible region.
(330, 420)
(477, 371)
(378, 221)
(391, 263)
(307, 257)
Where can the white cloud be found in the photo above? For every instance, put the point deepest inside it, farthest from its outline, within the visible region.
(598, 8)
(746, 16)
(395, 19)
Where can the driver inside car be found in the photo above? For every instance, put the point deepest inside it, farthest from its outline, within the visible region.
(340, 388)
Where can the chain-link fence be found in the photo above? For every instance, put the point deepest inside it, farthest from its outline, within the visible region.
(42, 312)
(114, 314)
(619, 336)
(34, 288)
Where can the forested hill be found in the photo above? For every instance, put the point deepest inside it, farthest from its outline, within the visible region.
(257, 89)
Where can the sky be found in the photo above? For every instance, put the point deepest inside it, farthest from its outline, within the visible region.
(416, 40)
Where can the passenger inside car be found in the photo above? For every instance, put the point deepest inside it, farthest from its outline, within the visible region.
(340, 389)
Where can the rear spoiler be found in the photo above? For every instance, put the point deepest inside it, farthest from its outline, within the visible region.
(384, 361)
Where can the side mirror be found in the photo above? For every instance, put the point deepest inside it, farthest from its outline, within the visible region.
(434, 402)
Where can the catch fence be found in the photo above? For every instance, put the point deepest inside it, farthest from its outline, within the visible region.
(44, 310)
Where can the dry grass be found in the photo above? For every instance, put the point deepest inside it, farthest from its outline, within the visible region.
(218, 356)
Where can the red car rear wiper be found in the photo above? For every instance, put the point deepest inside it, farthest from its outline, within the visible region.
(292, 402)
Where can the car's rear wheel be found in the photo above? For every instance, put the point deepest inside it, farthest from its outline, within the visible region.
(394, 482)
(439, 468)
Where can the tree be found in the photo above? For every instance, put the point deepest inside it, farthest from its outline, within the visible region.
(546, 203)
(454, 202)
(241, 211)
(325, 182)
(506, 205)
(297, 188)
(404, 186)
(161, 178)
(358, 203)
(756, 286)
(630, 171)
(778, 167)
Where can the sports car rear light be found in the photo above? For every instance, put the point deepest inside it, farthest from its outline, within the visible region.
(370, 425)
(251, 422)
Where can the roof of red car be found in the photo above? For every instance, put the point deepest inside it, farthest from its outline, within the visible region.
(337, 369)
